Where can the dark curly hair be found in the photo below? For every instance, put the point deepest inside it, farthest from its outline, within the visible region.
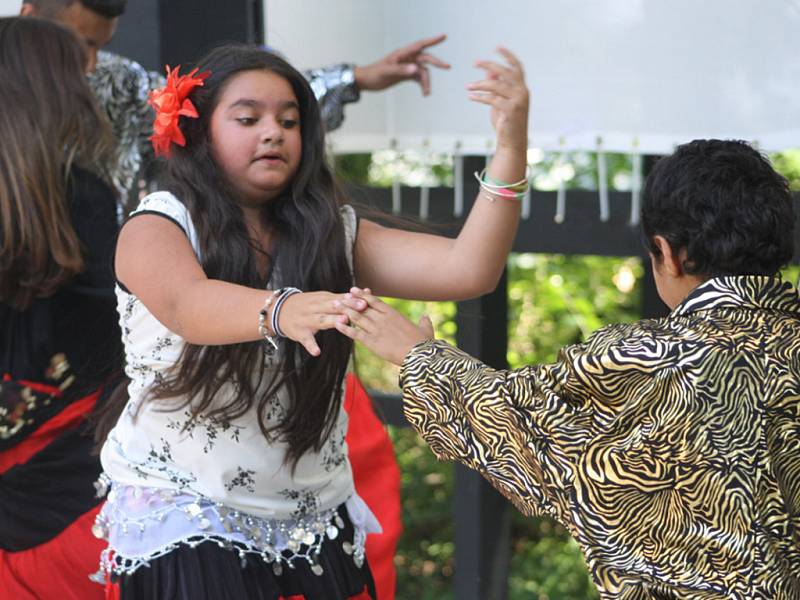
(724, 204)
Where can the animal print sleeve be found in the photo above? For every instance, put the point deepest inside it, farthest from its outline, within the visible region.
(521, 429)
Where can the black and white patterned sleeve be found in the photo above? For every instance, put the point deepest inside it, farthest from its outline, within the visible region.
(334, 86)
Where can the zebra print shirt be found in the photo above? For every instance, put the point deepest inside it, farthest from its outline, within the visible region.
(669, 448)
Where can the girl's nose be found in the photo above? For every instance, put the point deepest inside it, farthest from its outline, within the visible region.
(272, 133)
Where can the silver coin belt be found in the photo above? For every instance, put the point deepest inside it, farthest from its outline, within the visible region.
(162, 512)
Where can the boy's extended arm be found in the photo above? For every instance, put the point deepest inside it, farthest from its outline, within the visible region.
(511, 426)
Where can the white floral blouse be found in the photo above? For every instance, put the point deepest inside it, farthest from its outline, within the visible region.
(174, 479)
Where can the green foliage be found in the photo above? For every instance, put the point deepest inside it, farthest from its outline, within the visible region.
(546, 563)
(425, 556)
(787, 163)
(353, 168)
(578, 170)
(382, 168)
(556, 300)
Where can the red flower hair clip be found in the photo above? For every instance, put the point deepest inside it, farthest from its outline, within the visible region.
(171, 103)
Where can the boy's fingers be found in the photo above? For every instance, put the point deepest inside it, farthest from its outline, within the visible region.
(426, 325)
(360, 320)
(366, 294)
(349, 331)
(353, 302)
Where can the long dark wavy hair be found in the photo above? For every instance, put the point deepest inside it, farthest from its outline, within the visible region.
(309, 253)
(48, 122)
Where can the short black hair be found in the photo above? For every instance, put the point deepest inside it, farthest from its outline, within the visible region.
(109, 9)
(724, 204)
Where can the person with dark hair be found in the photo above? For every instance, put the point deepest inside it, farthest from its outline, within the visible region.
(59, 338)
(93, 21)
(228, 469)
(668, 447)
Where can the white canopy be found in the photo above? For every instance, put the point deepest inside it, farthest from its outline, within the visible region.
(633, 75)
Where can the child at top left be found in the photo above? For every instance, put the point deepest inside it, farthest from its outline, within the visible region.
(230, 451)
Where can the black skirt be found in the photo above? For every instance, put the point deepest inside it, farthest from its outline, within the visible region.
(210, 572)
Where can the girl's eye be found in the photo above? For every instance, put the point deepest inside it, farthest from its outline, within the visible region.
(246, 120)
(289, 123)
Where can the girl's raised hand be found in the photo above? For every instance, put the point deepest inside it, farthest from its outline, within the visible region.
(303, 315)
(380, 327)
(505, 91)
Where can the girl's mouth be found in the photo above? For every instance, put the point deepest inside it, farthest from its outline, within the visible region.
(270, 158)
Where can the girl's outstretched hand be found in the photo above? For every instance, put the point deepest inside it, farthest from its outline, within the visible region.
(303, 315)
(505, 91)
(380, 327)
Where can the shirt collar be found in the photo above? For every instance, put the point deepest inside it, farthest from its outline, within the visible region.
(758, 292)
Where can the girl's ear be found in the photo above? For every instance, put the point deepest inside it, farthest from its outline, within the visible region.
(671, 262)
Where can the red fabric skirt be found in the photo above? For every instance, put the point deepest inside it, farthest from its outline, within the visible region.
(377, 480)
(59, 568)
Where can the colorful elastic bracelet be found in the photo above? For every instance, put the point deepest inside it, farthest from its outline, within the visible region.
(488, 181)
(494, 188)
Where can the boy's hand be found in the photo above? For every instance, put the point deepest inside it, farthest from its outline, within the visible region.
(380, 327)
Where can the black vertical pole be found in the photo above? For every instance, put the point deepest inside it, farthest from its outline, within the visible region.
(481, 514)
